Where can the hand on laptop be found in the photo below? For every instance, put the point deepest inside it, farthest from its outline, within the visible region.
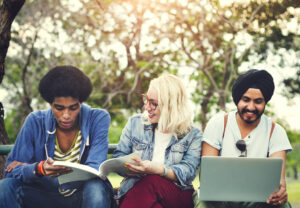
(279, 197)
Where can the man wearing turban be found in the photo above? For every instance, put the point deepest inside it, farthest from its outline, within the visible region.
(248, 132)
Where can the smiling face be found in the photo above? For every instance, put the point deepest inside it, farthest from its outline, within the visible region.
(66, 110)
(251, 106)
(151, 106)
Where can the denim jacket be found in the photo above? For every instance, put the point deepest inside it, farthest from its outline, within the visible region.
(182, 154)
(36, 142)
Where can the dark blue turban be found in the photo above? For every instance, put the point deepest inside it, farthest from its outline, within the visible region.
(253, 78)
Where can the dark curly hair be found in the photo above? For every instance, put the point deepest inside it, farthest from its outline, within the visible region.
(65, 81)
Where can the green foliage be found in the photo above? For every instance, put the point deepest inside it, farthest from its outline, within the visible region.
(12, 126)
(115, 132)
(294, 136)
(292, 85)
(116, 127)
(293, 190)
(293, 158)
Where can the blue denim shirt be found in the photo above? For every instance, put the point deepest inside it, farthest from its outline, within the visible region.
(182, 154)
(36, 142)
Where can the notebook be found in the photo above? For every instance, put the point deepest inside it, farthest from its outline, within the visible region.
(238, 179)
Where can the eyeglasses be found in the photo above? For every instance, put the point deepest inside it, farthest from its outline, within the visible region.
(241, 145)
(153, 105)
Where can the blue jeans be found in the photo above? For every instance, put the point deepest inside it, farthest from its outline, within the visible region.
(93, 193)
(10, 193)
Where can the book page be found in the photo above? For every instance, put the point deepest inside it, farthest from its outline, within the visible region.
(117, 164)
(82, 172)
(79, 172)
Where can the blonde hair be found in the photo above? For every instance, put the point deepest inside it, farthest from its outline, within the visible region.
(176, 112)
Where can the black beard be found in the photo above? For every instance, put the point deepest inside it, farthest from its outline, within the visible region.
(258, 115)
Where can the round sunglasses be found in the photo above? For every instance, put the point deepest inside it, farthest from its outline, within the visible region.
(241, 145)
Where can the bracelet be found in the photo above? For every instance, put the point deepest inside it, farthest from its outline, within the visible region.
(41, 168)
(36, 171)
(165, 173)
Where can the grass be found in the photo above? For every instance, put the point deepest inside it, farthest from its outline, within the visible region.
(293, 187)
(115, 179)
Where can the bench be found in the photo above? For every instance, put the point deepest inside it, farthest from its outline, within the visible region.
(5, 149)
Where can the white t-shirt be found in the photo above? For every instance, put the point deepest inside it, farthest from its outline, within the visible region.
(160, 145)
(258, 142)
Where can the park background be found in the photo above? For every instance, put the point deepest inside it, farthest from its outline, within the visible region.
(122, 44)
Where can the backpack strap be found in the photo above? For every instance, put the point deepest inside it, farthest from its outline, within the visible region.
(272, 129)
(225, 123)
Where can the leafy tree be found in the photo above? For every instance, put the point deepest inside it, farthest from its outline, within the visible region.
(111, 49)
(215, 39)
(281, 36)
(117, 84)
(293, 85)
(28, 59)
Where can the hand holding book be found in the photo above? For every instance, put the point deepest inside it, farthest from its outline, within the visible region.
(82, 172)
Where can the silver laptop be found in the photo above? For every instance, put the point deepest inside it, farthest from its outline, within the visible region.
(238, 179)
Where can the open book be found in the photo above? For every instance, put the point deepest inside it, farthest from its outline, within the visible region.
(82, 172)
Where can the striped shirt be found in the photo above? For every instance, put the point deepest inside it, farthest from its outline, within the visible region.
(72, 155)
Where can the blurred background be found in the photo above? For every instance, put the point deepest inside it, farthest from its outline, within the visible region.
(122, 44)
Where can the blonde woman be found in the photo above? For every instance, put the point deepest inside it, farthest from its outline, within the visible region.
(170, 149)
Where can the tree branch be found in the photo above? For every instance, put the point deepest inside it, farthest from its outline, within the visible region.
(136, 79)
(27, 99)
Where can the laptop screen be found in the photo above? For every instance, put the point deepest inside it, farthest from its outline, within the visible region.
(239, 179)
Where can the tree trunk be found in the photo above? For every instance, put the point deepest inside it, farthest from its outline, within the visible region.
(204, 106)
(295, 171)
(222, 100)
(8, 11)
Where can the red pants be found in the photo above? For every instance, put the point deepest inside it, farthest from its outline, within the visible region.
(156, 192)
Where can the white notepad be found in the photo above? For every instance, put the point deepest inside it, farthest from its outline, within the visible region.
(238, 179)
